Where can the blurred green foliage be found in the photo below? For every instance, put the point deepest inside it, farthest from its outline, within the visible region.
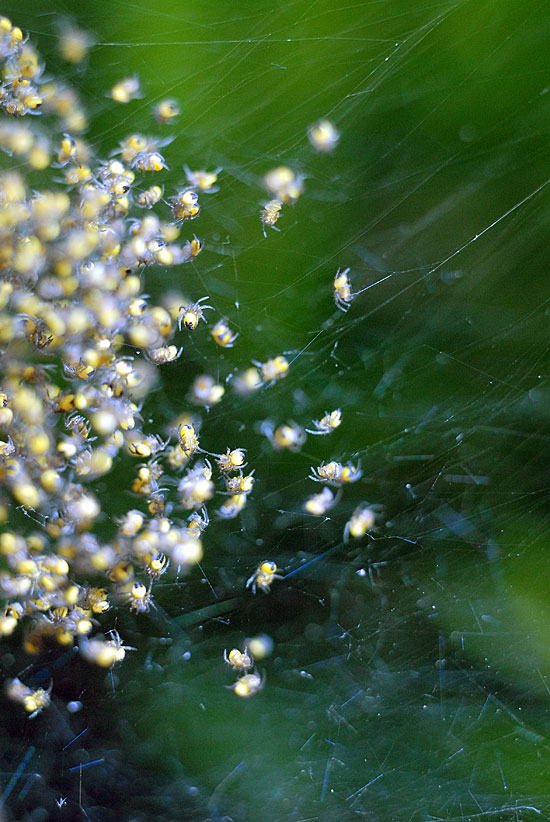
(410, 674)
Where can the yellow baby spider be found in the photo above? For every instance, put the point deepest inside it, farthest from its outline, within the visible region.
(192, 313)
(206, 391)
(166, 111)
(223, 334)
(165, 354)
(240, 484)
(232, 506)
(157, 564)
(126, 90)
(231, 460)
(330, 472)
(273, 369)
(334, 473)
(362, 521)
(270, 214)
(149, 161)
(238, 660)
(150, 197)
(140, 598)
(326, 424)
(289, 435)
(318, 504)
(323, 136)
(248, 685)
(185, 205)
(205, 180)
(263, 577)
(343, 294)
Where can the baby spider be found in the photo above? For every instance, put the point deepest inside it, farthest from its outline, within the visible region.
(248, 685)
(231, 460)
(241, 484)
(185, 205)
(205, 180)
(284, 184)
(105, 653)
(330, 472)
(196, 487)
(150, 197)
(323, 136)
(274, 369)
(117, 645)
(149, 161)
(126, 90)
(195, 246)
(95, 599)
(192, 313)
(157, 564)
(67, 151)
(131, 523)
(139, 597)
(37, 700)
(343, 294)
(74, 43)
(350, 473)
(166, 111)
(259, 646)
(326, 424)
(290, 435)
(239, 661)
(32, 701)
(165, 354)
(232, 506)
(188, 439)
(270, 214)
(334, 473)
(78, 370)
(263, 577)
(146, 446)
(7, 448)
(223, 335)
(206, 391)
(318, 504)
(35, 332)
(197, 522)
(362, 521)
(247, 382)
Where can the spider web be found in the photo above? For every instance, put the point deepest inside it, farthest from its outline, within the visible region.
(409, 677)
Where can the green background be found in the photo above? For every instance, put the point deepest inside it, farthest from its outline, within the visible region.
(409, 678)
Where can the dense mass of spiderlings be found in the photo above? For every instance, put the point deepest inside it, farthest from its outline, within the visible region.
(71, 305)
(70, 301)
